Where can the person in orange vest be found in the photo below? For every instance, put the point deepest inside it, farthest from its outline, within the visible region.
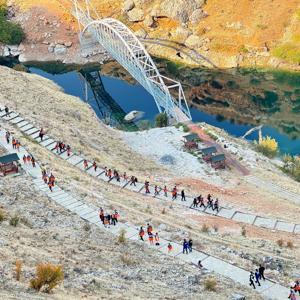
(18, 144)
(109, 173)
(95, 166)
(28, 158)
(141, 233)
(50, 184)
(165, 191)
(14, 143)
(174, 194)
(170, 247)
(156, 237)
(147, 191)
(85, 164)
(150, 237)
(101, 215)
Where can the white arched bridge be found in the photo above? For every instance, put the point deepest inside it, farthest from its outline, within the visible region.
(122, 45)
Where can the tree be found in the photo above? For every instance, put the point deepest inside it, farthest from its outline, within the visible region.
(161, 120)
(267, 146)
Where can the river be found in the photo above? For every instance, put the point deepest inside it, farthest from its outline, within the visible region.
(281, 120)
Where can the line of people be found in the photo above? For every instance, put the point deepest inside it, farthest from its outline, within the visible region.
(108, 219)
(49, 179)
(257, 276)
(199, 202)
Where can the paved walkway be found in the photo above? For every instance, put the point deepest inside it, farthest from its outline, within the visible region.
(269, 289)
(77, 160)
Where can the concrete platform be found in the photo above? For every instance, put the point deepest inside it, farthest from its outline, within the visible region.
(297, 229)
(23, 123)
(193, 257)
(284, 226)
(93, 173)
(245, 218)
(32, 130)
(16, 120)
(65, 156)
(81, 166)
(120, 183)
(85, 211)
(51, 146)
(136, 188)
(265, 222)
(46, 143)
(34, 135)
(26, 127)
(75, 159)
(226, 213)
(11, 116)
(67, 202)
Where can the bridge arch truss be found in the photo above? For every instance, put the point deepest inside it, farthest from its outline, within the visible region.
(122, 45)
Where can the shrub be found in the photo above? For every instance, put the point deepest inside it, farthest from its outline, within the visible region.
(87, 227)
(18, 269)
(20, 68)
(210, 284)
(47, 277)
(292, 166)
(280, 243)
(14, 221)
(144, 125)
(161, 120)
(216, 228)
(290, 244)
(204, 228)
(244, 232)
(267, 146)
(10, 33)
(2, 215)
(163, 211)
(121, 237)
(127, 260)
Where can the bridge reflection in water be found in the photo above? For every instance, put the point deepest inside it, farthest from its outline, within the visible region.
(110, 111)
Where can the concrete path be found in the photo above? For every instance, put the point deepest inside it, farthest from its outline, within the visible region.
(224, 212)
(269, 289)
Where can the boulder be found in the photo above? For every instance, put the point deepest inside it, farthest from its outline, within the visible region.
(197, 15)
(180, 34)
(135, 15)
(149, 22)
(237, 297)
(68, 44)
(194, 41)
(60, 49)
(179, 10)
(128, 5)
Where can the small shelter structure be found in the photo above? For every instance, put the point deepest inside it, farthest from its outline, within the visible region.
(9, 164)
(207, 153)
(191, 137)
(218, 161)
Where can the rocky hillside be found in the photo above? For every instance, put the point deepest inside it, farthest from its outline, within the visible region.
(227, 33)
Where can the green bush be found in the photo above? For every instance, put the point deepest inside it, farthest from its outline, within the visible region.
(292, 166)
(161, 120)
(14, 221)
(210, 284)
(2, 215)
(10, 33)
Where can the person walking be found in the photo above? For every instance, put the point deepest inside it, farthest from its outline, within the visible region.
(156, 192)
(149, 229)
(156, 238)
(7, 136)
(185, 246)
(251, 280)
(141, 233)
(257, 277)
(170, 247)
(85, 164)
(216, 205)
(292, 295)
(183, 195)
(150, 237)
(165, 191)
(261, 271)
(147, 191)
(174, 194)
(95, 166)
(190, 245)
(33, 162)
(24, 159)
(68, 150)
(41, 134)
(101, 215)
(195, 202)
(200, 266)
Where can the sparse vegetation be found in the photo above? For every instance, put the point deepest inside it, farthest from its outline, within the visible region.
(288, 51)
(127, 260)
(161, 120)
(2, 215)
(211, 134)
(10, 33)
(244, 231)
(204, 228)
(47, 277)
(87, 227)
(267, 146)
(185, 128)
(292, 166)
(210, 284)
(216, 228)
(14, 221)
(18, 269)
(290, 244)
(121, 237)
(280, 243)
(163, 211)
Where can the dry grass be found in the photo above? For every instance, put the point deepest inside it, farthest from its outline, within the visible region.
(210, 284)
(18, 269)
(121, 237)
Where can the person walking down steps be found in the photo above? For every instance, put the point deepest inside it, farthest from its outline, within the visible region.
(251, 280)
(185, 246)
